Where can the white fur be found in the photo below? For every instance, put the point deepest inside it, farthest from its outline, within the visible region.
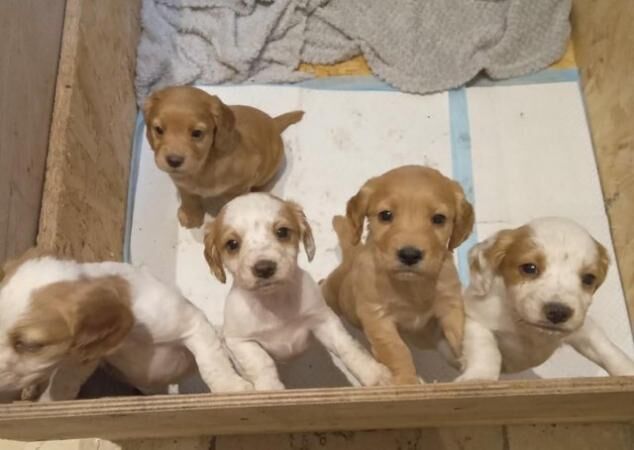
(169, 338)
(274, 321)
(502, 330)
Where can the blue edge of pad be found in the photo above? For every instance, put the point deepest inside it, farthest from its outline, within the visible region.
(462, 168)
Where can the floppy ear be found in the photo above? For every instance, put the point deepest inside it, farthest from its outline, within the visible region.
(463, 222)
(603, 263)
(149, 103)
(305, 231)
(225, 122)
(212, 254)
(485, 259)
(101, 319)
(357, 210)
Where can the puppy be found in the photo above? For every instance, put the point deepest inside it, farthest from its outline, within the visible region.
(403, 275)
(60, 319)
(274, 306)
(210, 149)
(529, 293)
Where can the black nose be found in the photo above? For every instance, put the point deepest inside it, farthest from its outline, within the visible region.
(557, 312)
(174, 160)
(410, 255)
(264, 269)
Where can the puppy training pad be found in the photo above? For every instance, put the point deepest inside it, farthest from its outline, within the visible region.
(521, 149)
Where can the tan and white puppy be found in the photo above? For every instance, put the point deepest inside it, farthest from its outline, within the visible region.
(274, 306)
(529, 294)
(212, 150)
(60, 319)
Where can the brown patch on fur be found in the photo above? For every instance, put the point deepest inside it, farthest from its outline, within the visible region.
(213, 247)
(599, 268)
(512, 249)
(293, 215)
(373, 291)
(239, 148)
(87, 318)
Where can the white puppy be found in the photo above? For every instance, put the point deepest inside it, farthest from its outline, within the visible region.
(529, 293)
(274, 305)
(60, 319)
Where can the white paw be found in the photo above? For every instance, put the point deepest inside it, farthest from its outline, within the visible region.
(477, 375)
(379, 375)
(234, 384)
(266, 384)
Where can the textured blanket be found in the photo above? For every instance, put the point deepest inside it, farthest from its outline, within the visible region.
(417, 46)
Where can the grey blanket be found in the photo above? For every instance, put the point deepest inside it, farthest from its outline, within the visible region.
(417, 46)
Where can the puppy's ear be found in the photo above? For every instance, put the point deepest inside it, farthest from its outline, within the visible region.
(148, 104)
(102, 317)
(225, 122)
(602, 264)
(464, 220)
(357, 210)
(305, 231)
(212, 254)
(485, 259)
(86, 318)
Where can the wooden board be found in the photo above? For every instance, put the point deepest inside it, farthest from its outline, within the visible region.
(604, 48)
(29, 51)
(84, 204)
(452, 404)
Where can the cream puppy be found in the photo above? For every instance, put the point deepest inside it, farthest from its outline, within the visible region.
(60, 319)
(529, 293)
(274, 306)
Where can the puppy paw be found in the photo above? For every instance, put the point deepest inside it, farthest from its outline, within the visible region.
(476, 375)
(268, 385)
(378, 375)
(404, 380)
(31, 393)
(191, 219)
(235, 384)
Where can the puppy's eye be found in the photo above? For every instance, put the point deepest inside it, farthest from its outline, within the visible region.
(197, 133)
(529, 269)
(158, 130)
(27, 347)
(386, 216)
(588, 279)
(439, 219)
(283, 232)
(232, 245)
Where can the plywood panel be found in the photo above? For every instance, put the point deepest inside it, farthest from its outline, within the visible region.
(452, 404)
(29, 51)
(604, 48)
(88, 164)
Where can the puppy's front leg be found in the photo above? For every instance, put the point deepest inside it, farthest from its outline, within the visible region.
(333, 335)
(592, 343)
(67, 380)
(191, 213)
(255, 364)
(481, 357)
(389, 348)
(449, 307)
(213, 363)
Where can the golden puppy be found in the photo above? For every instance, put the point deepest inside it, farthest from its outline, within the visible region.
(210, 149)
(403, 275)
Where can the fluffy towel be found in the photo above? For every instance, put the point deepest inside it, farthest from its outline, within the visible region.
(417, 46)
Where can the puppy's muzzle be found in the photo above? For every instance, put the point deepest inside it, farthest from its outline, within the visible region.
(557, 313)
(264, 268)
(410, 255)
(174, 161)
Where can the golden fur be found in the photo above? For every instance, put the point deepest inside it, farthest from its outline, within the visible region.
(223, 151)
(384, 297)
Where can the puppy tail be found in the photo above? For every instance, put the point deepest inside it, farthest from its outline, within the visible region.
(285, 120)
(345, 234)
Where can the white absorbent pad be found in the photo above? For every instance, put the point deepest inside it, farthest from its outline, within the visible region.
(521, 149)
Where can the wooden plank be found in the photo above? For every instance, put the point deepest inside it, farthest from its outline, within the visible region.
(29, 51)
(604, 48)
(593, 436)
(84, 201)
(74, 444)
(450, 404)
